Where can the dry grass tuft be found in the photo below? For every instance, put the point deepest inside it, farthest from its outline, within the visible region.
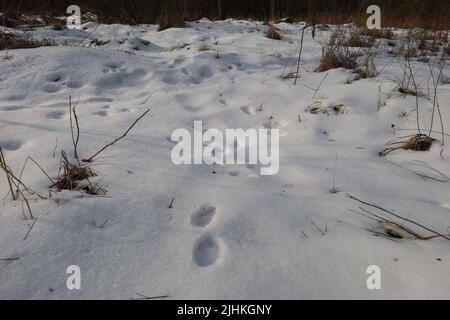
(58, 24)
(343, 50)
(410, 52)
(70, 175)
(406, 91)
(417, 142)
(317, 108)
(337, 57)
(10, 41)
(357, 39)
(76, 177)
(366, 73)
(378, 34)
(272, 33)
(436, 36)
(204, 47)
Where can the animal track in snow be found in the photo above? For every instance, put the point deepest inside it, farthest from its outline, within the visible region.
(113, 65)
(55, 114)
(281, 125)
(250, 171)
(15, 97)
(234, 173)
(13, 108)
(54, 77)
(98, 100)
(119, 77)
(203, 216)
(11, 144)
(51, 87)
(101, 113)
(206, 251)
(75, 84)
(172, 64)
(192, 108)
(251, 111)
(205, 72)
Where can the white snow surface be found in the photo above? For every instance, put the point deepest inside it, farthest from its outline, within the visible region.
(231, 234)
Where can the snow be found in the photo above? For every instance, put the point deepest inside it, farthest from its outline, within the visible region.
(232, 233)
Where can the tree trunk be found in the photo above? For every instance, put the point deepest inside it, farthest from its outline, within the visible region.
(272, 11)
(221, 10)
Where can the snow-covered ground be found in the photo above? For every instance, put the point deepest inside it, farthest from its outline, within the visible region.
(231, 233)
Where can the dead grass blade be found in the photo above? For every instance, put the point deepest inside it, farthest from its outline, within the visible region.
(8, 177)
(15, 185)
(396, 229)
(29, 230)
(424, 170)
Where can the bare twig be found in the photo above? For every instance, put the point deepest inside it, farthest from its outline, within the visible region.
(9, 259)
(416, 90)
(117, 139)
(148, 98)
(316, 226)
(75, 137)
(435, 97)
(37, 164)
(56, 147)
(320, 85)
(333, 188)
(171, 204)
(143, 297)
(300, 52)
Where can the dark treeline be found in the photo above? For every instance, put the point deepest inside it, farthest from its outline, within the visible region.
(429, 13)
